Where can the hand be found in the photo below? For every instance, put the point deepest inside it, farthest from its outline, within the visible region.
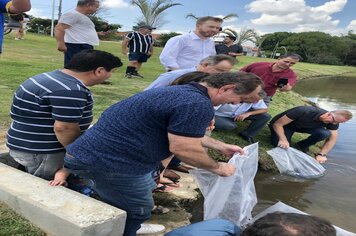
(211, 126)
(58, 182)
(62, 47)
(224, 169)
(124, 53)
(242, 117)
(283, 144)
(229, 150)
(285, 88)
(321, 159)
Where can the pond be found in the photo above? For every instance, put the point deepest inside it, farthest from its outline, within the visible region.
(334, 195)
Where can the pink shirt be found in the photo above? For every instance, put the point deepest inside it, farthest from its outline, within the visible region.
(270, 78)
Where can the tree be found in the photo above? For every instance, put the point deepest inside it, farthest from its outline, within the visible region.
(153, 12)
(163, 38)
(271, 40)
(227, 17)
(244, 35)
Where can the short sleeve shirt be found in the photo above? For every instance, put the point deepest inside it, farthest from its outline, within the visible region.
(4, 6)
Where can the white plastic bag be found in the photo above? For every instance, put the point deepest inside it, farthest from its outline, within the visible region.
(295, 163)
(234, 197)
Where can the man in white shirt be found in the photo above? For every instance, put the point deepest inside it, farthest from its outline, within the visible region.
(226, 116)
(75, 31)
(186, 51)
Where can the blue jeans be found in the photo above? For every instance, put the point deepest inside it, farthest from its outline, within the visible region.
(132, 193)
(316, 135)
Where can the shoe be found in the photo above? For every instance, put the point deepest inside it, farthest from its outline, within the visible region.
(17, 39)
(301, 148)
(151, 229)
(247, 138)
(181, 168)
(136, 74)
(128, 76)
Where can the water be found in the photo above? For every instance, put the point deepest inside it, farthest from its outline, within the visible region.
(334, 195)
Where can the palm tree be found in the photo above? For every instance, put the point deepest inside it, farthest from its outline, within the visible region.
(228, 16)
(153, 12)
(244, 35)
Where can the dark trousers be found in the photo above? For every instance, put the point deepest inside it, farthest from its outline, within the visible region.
(316, 135)
(73, 48)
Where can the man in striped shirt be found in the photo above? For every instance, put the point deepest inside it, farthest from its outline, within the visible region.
(52, 109)
(139, 46)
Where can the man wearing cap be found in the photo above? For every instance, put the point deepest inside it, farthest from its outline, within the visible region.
(139, 46)
(75, 31)
(228, 47)
(11, 7)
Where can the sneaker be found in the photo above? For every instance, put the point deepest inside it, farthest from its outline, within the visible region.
(151, 229)
(128, 76)
(136, 74)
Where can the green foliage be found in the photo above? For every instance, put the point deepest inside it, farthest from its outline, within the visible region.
(39, 25)
(163, 38)
(271, 40)
(102, 25)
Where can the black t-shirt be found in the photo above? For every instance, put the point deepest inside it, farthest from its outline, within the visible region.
(305, 117)
(223, 49)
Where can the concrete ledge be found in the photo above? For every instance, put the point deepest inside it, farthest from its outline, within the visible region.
(57, 210)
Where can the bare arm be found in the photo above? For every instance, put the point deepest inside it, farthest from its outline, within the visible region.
(250, 113)
(226, 149)
(60, 178)
(328, 145)
(124, 46)
(59, 34)
(278, 128)
(19, 6)
(66, 132)
(191, 151)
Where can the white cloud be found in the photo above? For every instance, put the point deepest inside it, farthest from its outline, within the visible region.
(115, 4)
(38, 13)
(232, 19)
(295, 15)
(352, 26)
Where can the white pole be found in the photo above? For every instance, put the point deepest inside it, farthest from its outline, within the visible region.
(52, 22)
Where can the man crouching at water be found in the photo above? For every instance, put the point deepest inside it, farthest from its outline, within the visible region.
(121, 152)
(319, 123)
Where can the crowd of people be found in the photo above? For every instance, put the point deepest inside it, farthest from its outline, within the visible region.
(126, 152)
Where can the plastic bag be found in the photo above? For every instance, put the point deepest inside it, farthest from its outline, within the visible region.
(231, 198)
(296, 163)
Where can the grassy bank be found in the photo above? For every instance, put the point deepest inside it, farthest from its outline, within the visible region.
(36, 54)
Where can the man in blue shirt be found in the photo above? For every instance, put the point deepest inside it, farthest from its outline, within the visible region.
(121, 152)
(11, 7)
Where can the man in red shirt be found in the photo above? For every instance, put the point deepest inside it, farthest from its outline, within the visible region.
(275, 75)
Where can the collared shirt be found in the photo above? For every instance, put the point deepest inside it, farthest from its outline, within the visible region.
(4, 7)
(233, 110)
(186, 51)
(270, 78)
(167, 78)
(139, 43)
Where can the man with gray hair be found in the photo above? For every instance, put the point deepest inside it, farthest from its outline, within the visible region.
(211, 64)
(75, 31)
(185, 51)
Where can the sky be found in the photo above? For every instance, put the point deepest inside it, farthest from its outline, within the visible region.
(265, 16)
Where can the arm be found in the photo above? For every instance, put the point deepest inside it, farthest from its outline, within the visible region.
(59, 34)
(169, 54)
(60, 178)
(243, 116)
(124, 46)
(19, 6)
(278, 128)
(191, 151)
(66, 132)
(328, 145)
(224, 148)
(286, 88)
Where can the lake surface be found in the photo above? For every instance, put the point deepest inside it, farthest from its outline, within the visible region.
(332, 196)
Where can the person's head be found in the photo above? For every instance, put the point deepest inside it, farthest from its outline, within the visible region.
(145, 29)
(289, 224)
(233, 87)
(88, 6)
(229, 39)
(336, 117)
(208, 26)
(194, 76)
(284, 62)
(216, 64)
(99, 63)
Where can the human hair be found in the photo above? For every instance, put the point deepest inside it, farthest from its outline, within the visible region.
(295, 56)
(289, 224)
(204, 19)
(82, 3)
(194, 76)
(344, 113)
(216, 59)
(245, 82)
(90, 59)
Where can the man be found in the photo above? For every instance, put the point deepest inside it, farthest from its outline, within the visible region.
(319, 123)
(75, 31)
(125, 147)
(186, 51)
(228, 47)
(139, 46)
(11, 7)
(52, 109)
(226, 116)
(271, 73)
(211, 64)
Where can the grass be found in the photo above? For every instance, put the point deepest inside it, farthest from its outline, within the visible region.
(37, 53)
